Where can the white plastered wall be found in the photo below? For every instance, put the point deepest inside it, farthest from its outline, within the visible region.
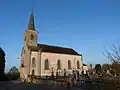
(54, 57)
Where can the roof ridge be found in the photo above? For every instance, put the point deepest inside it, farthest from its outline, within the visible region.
(54, 46)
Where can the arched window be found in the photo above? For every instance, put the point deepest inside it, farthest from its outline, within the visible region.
(31, 37)
(69, 64)
(78, 65)
(58, 64)
(33, 62)
(46, 64)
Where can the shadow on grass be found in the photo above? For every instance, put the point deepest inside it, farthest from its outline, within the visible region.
(100, 85)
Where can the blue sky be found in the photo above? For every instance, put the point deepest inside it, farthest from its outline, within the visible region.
(88, 26)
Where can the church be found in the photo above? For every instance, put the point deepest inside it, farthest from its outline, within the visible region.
(41, 59)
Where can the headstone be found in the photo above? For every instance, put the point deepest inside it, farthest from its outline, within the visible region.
(108, 72)
(84, 71)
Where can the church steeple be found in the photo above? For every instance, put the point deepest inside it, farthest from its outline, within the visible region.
(31, 25)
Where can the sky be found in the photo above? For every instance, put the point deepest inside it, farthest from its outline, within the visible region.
(87, 26)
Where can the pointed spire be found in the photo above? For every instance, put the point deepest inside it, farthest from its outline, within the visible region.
(31, 25)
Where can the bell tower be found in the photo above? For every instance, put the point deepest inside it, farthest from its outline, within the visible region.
(31, 35)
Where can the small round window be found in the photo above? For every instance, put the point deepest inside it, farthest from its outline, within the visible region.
(32, 37)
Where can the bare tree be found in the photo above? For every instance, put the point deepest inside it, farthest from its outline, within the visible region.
(113, 55)
(106, 67)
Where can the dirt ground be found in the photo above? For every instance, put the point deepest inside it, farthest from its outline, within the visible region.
(22, 86)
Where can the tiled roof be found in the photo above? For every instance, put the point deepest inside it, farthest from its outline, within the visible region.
(54, 49)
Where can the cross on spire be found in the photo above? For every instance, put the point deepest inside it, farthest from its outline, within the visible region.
(31, 25)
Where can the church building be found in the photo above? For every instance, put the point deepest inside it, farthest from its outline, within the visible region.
(41, 59)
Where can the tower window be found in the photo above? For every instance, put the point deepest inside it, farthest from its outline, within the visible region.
(24, 51)
(32, 37)
(25, 38)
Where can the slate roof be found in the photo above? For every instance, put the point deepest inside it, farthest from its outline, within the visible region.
(84, 64)
(31, 25)
(54, 49)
